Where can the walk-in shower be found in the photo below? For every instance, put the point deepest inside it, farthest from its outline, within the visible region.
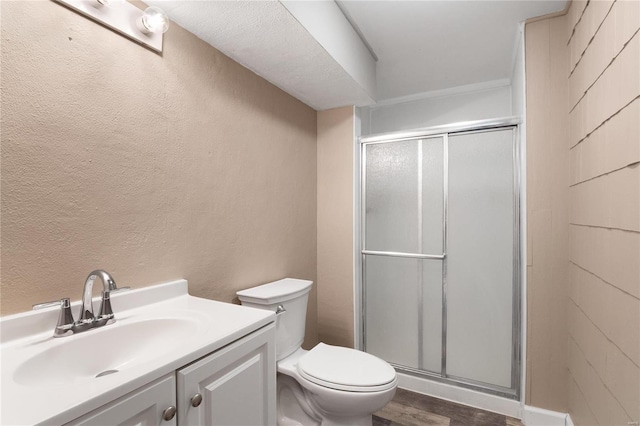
(440, 247)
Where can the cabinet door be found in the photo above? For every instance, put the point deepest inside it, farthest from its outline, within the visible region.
(142, 407)
(237, 384)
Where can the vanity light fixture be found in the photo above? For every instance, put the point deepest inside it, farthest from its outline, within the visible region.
(124, 18)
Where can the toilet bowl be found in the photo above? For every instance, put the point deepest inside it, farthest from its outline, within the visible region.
(327, 385)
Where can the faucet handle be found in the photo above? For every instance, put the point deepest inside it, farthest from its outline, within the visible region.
(106, 312)
(65, 319)
(44, 305)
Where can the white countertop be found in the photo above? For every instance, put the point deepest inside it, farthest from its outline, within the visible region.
(210, 326)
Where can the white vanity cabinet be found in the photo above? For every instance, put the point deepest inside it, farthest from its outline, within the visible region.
(236, 385)
(143, 407)
(233, 386)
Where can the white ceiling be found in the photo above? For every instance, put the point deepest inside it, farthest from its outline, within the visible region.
(421, 46)
(264, 37)
(424, 46)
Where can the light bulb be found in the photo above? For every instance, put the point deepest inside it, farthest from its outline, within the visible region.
(153, 20)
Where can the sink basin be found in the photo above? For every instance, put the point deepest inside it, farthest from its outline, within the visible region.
(102, 352)
(158, 330)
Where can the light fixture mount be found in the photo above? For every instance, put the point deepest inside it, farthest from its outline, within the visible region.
(124, 19)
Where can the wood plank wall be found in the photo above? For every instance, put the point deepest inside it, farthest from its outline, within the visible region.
(601, 69)
(604, 146)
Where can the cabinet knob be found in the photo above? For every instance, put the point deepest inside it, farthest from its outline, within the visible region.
(196, 400)
(169, 413)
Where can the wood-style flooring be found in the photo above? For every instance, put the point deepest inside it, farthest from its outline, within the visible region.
(414, 409)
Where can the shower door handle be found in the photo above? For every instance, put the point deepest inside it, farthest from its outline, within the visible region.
(408, 255)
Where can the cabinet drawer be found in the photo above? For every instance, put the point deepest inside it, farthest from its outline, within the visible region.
(142, 407)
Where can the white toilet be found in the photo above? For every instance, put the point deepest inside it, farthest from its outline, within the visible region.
(328, 385)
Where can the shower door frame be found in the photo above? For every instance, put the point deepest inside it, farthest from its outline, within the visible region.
(469, 127)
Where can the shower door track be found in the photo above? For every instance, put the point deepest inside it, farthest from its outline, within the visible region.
(464, 126)
(444, 131)
(457, 381)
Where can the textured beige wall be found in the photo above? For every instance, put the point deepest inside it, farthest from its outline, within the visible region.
(601, 68)
(335, 226)
(184, 165)
(547, 215)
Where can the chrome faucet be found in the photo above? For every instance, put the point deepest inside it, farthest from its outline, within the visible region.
(66, 324)
(105, 314)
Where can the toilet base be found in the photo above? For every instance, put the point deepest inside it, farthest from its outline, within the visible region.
(297, 407)
(293, 405)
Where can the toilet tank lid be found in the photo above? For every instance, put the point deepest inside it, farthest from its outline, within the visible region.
(275, 292)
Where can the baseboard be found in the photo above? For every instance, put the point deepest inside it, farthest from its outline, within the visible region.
(496, 404)
(534, 416)
(531, 416)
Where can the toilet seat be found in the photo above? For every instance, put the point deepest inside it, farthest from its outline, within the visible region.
(346, 369)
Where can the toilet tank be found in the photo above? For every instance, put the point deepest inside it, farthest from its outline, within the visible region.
(289, 294)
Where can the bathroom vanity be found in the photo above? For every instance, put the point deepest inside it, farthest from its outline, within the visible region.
(169, 359)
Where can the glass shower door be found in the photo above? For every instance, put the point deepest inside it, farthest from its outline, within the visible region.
(440, 257)
(404, 238)
(480, 257)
